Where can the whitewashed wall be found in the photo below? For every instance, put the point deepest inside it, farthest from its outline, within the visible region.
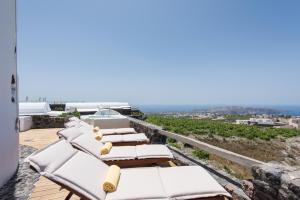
(9, 139)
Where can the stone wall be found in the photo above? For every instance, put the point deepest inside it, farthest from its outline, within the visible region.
(45, 121)
(274, 181)
(151, 132)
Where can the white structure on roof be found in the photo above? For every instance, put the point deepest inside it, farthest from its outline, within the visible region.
(34, 108)
(95, 106)
(107, 118)
(25, 123)
(9, 137)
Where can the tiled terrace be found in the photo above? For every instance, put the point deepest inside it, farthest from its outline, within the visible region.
(44, 189)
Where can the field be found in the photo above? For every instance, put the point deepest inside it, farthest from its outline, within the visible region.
(187, 126)
(261, 143)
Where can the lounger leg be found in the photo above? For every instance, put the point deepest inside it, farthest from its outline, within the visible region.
(69, 196)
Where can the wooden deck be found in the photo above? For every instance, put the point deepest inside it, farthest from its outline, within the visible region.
(44, 189)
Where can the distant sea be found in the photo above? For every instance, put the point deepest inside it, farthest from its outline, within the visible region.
(283, 110)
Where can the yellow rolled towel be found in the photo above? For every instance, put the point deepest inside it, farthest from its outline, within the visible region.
(98, 136)
(96, 129)
(105, 149)
(112, 179)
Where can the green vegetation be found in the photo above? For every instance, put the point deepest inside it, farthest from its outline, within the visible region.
(200, 154)
(71, 114)
(176, 145)
(137, 113)
(186, 126)
(171, 140)
(173, 143)
(57, 107)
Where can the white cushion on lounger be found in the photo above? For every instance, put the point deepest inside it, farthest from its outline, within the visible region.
(71, 124)
(52, 157)
(117, 131)
(138, 183)
(112, 138)
(189, 182)
(120, 153)
(74, 119)
(87, 143)
(85, 128)
(85, 173)
(153, 151)
(139, 137)
(70, 133)
(125, 130)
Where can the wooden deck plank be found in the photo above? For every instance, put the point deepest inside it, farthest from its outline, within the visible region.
(44, 189)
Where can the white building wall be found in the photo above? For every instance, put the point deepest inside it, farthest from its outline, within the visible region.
(9, 138)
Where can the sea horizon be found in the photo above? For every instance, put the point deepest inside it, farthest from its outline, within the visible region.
(293, 110)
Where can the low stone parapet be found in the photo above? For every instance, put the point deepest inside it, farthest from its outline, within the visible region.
(46, 121)
(152, 132)
(275, 181)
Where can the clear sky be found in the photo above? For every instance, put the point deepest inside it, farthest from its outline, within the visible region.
(160, 52)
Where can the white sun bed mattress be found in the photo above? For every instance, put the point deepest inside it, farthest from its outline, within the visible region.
(72, 133)
(88, 144)
(63, 164)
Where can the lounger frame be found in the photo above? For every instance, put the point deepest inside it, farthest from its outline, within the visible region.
(146, 162)
(133, 143)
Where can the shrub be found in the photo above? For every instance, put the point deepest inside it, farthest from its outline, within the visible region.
(200, 154)
(171, 140)
(176, 145)
(71, 114)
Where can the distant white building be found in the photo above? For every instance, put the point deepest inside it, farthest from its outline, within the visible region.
(262, 121)
(245, 122)
(257, 121)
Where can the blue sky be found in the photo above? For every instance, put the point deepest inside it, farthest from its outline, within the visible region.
(160, 52)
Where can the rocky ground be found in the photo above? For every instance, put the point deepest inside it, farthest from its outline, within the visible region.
(21, 184)
(284, 151)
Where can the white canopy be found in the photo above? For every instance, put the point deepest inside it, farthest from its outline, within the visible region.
(34, 108)
(94, 106)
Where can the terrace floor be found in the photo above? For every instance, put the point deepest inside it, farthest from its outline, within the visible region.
(44, 188)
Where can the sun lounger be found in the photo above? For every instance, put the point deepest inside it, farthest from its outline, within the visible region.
(124, 156)
(83, 175)
(109, 131)
(74, 119)
(72, 123)
(118, 140)
(117, 131)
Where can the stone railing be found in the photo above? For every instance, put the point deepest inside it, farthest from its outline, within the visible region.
(270, 181)
(274, 181)
(46, 121)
